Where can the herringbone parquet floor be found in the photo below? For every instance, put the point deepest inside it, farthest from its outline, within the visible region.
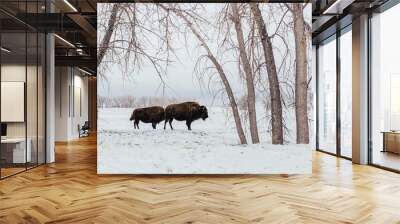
(70, 191)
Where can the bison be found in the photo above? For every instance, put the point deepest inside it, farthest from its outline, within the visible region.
(153, 115)
(187, 111)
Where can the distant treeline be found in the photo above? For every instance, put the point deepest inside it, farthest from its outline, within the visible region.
(134, 102)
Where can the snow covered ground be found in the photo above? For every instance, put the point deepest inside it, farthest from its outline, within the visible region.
(210, 148)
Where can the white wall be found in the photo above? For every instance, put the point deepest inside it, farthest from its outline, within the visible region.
(17, 73)
(79, 112)
(61, 103)
(70, 83)
(34, 125)
(12, 73)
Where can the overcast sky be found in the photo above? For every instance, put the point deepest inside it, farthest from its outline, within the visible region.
(181, 81)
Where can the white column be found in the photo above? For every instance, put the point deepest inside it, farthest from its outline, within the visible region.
(50, 92)
(50, 100)
(360, 90)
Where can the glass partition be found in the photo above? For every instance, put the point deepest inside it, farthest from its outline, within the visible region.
(346, 93)
(334, 63)
(41, 107)
(13, 109)
(385, 89)
(327, 95)
(22, 77)
(32, 98)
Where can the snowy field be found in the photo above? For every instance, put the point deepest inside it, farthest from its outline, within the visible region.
(210, 148)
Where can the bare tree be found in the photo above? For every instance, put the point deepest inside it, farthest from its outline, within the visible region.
(220, 70)
(274, 89)
(251, 96)
(301, 90)
(105, 42)
(129, 40)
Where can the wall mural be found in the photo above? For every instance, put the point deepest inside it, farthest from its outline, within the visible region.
(204, 88)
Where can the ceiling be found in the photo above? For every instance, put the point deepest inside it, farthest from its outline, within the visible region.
(73, 21)
(332, 15)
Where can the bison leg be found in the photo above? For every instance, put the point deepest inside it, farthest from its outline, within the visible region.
(137, 124)
(165, 123)
(154, 125)
(170, 124)
(188, 124)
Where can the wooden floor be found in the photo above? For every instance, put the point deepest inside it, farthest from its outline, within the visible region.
(70, 191)
(5, 172)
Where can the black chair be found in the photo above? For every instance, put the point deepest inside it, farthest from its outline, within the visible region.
(84, 130)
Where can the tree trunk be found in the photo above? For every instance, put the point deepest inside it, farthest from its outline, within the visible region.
(251, 96)
(107, 37)
(302, 129)
(275, 92)
(222, 75)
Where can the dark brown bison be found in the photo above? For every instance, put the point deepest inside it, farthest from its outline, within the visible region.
(153, 115)
(187, 111)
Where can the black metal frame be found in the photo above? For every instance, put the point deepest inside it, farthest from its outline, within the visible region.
(316, 97)
(0, 88)
(338, 97)
(369, 100)
(44, 57)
